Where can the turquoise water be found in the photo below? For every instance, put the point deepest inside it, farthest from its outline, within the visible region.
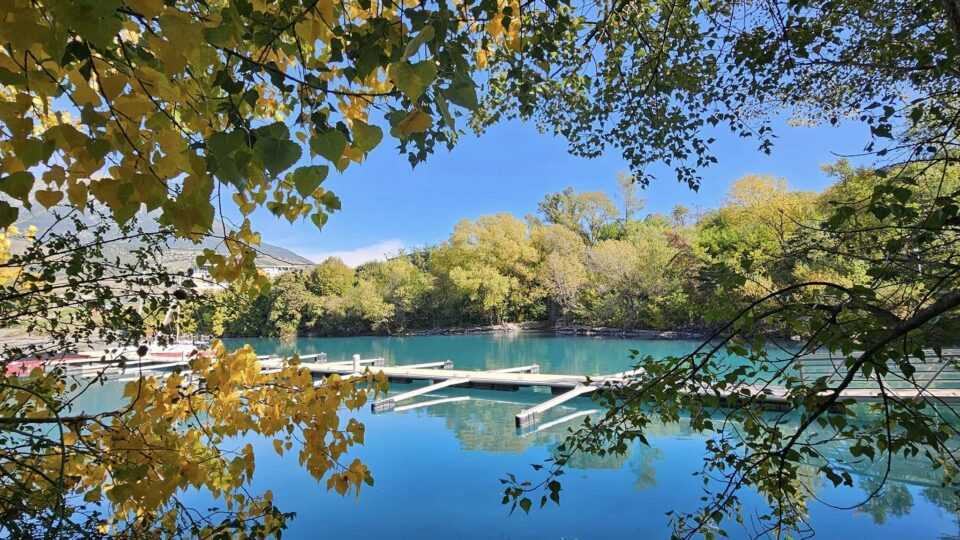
(571, 355)
(437, 469)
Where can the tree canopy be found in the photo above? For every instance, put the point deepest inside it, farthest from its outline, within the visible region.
(182, 107)
(872, 278)
(152, 116)
(160, 113)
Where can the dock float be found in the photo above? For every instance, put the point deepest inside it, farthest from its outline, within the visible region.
(389, 403)
(528, 417)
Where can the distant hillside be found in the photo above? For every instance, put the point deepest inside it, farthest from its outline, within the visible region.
(182, 253)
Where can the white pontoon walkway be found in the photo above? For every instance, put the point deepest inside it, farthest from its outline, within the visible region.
(935, 380)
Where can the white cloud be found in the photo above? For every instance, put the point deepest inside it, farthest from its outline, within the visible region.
(355, 257)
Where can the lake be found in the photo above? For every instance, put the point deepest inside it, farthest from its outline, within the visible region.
(437, 468)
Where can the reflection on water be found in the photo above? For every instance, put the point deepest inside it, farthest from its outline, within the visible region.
(895, 500)
(484, 424)
(437, 468)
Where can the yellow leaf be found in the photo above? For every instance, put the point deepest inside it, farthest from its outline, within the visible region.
(155, 83)
(113, 85)
(149, 190)
(353, 154)
(77, 194)
(481, 58)
(245, 206)
(48, 197)
(495, 26)
(82, 93)
(55, 176)
(147, 8)
(413, 79)
(69, 438)
(133, 106)
(184, 34)
(173, 60)
(416, 121)
(12, 164)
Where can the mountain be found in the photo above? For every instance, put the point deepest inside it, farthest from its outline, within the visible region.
(181, 253)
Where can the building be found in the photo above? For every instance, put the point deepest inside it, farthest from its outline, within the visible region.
(204, 281)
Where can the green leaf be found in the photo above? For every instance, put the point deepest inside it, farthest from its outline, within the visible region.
(329, 145)
(319, 219)
(276, 130)
(224, 143)
(18, 185)
(95, 20)
(880, 212)
(425, 35)
(8, 214)
(117, 194)
(34, 151)
(365, 136)
(307, 179)
(331, 201)
(525, 504)
(277, 155)
(902, 194)
(462, 92)
(191, 211)
(413, 79)
(445, 111)
(98, 148)
(11, 78)
(221, 149)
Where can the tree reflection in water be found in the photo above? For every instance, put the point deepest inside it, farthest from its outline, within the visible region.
(894, 499)
(485, 423)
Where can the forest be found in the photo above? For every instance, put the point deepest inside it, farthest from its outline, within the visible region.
(586, 258)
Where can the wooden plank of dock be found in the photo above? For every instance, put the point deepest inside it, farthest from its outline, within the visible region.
(390, 402)
(275, 362)
(445, 364)
(532, 368)
(376, 362)
(93, 371)
(479, 379)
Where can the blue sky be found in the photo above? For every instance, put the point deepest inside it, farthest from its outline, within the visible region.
(387, 205)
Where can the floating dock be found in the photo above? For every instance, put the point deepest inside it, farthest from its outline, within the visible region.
(935, 381)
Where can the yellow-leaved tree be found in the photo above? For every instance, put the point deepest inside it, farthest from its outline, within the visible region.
(135, 123)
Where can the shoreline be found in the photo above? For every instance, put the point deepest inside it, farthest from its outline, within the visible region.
(532, 327)
(548, 327)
